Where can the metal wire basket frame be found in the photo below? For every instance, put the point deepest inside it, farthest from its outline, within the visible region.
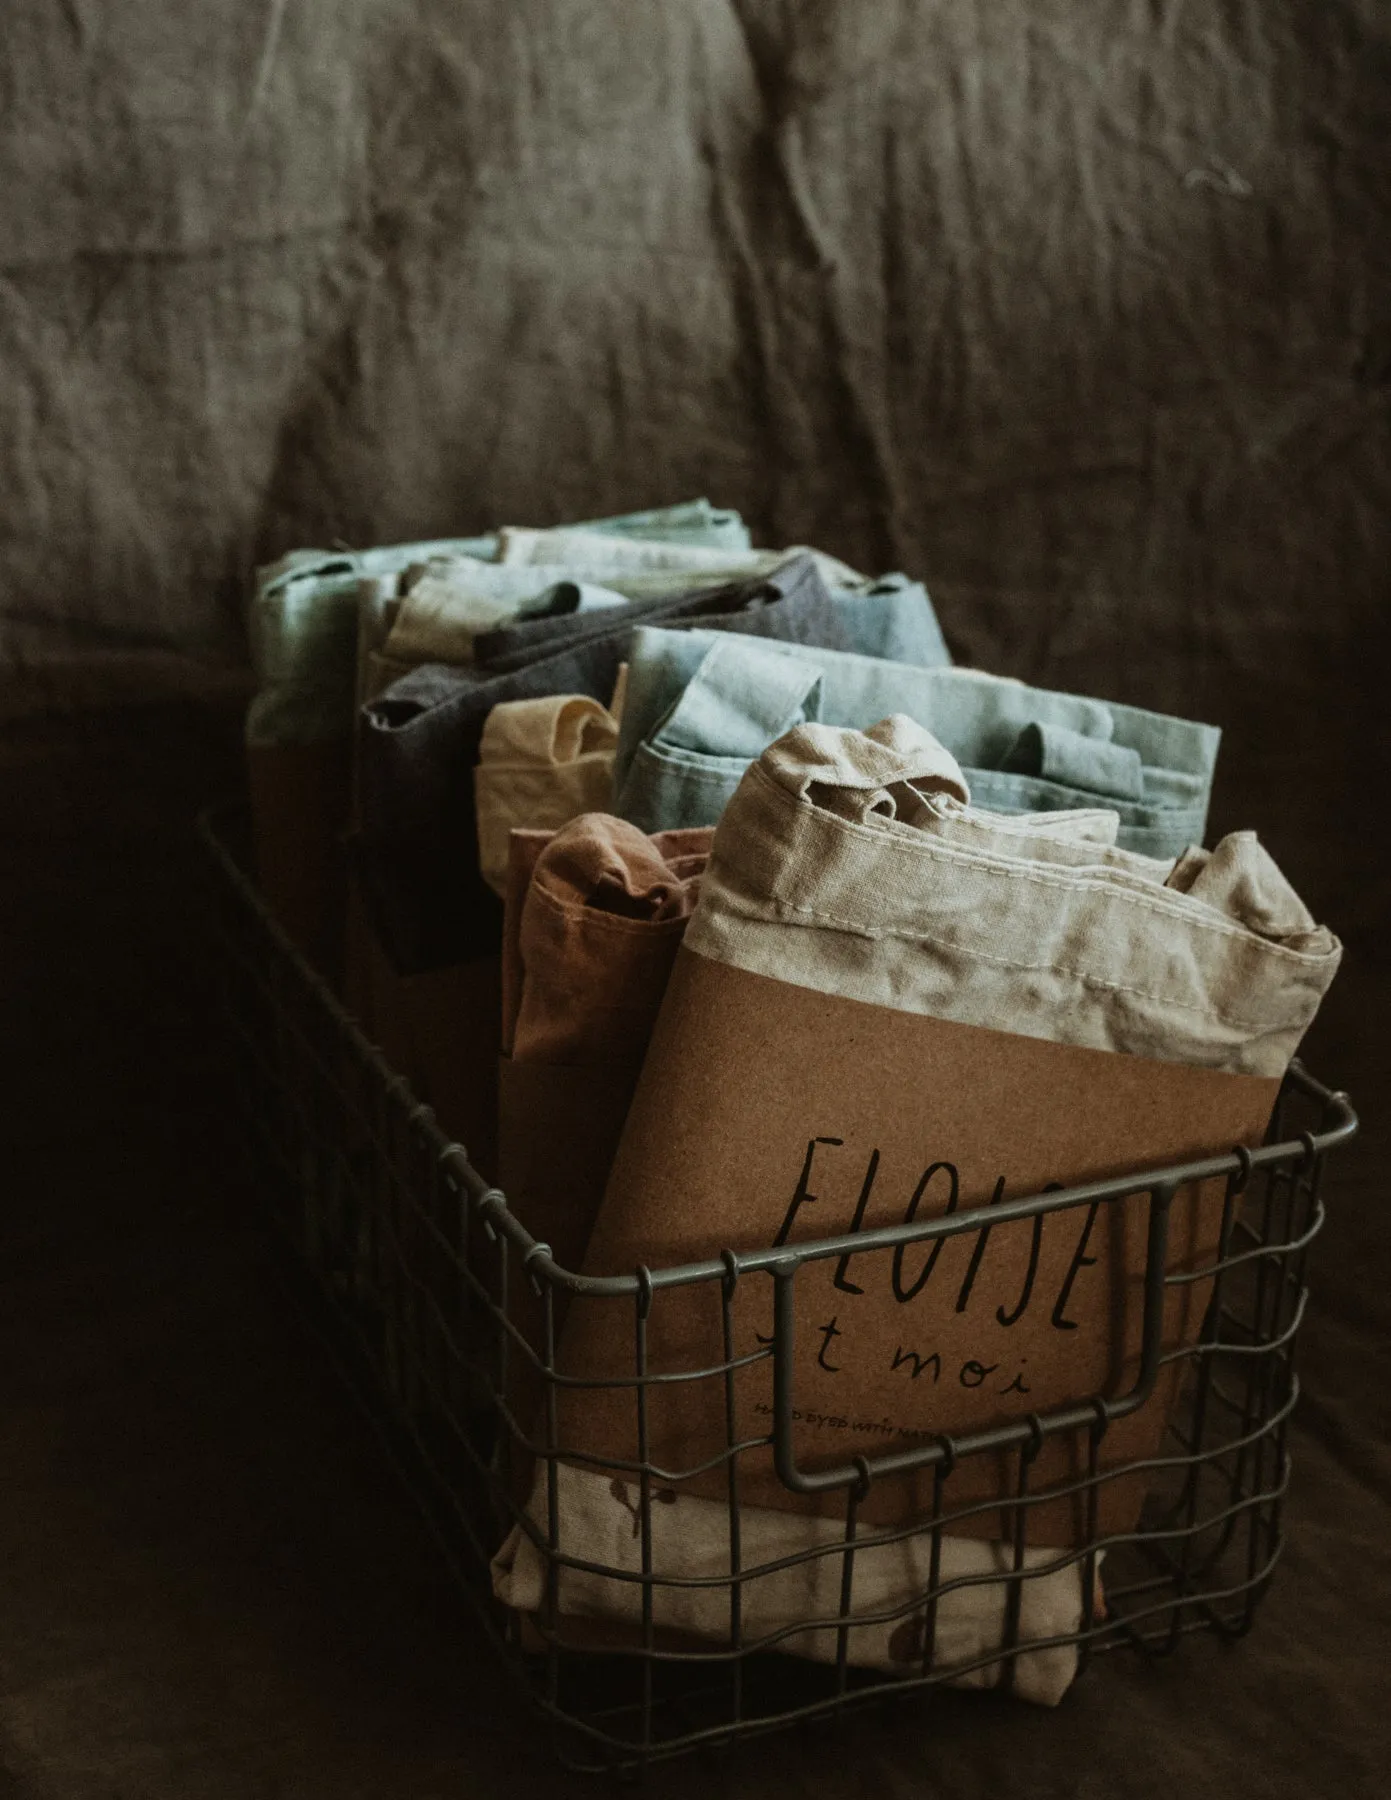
(414, 1257)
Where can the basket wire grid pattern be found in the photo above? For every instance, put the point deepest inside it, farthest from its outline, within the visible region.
(416, 1258)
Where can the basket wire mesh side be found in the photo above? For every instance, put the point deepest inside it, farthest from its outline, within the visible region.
(419, 1263)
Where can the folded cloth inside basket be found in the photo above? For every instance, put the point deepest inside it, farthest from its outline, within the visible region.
(790, 600)
(541, 763)
(599, 923)
(302, 628)
(593, 550)
(417, 850)
(853, 865)
(699, 710)
(593, 918)
(888, 618)
(796, 1605)
(452, 603)
(899, 1007)
(594, 915)
(303, 614)
(318, 627)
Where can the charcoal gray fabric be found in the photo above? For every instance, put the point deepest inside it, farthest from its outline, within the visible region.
(810, 619)
(890, 618)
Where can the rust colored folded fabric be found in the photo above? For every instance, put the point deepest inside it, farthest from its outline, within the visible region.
(595, 914)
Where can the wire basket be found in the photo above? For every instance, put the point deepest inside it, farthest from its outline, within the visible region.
(424, 1274)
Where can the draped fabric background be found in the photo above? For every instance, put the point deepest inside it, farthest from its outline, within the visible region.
(1084, 308)
(1081, 312)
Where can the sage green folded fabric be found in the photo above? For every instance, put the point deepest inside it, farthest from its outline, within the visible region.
(303, 631)
(687, 522)
(606, 554)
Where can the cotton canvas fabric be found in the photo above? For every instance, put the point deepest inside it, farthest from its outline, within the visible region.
(302, 633)
(302, 617)
(901, 626)
(444, 611)
(418, 745)
(691, 727)
(601, 917)
(458, 610)
(850, 862)
(541, 763)
(892, 618)
(327, 637)
(596, 550)
(782, 1607)
(790, 599)
(594, 917)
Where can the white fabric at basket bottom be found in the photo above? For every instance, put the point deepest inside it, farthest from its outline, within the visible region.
(599, 1523)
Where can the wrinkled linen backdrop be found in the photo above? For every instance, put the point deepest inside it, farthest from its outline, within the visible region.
(1080, 309)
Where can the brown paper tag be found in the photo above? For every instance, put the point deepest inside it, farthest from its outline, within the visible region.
(770, 1113)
